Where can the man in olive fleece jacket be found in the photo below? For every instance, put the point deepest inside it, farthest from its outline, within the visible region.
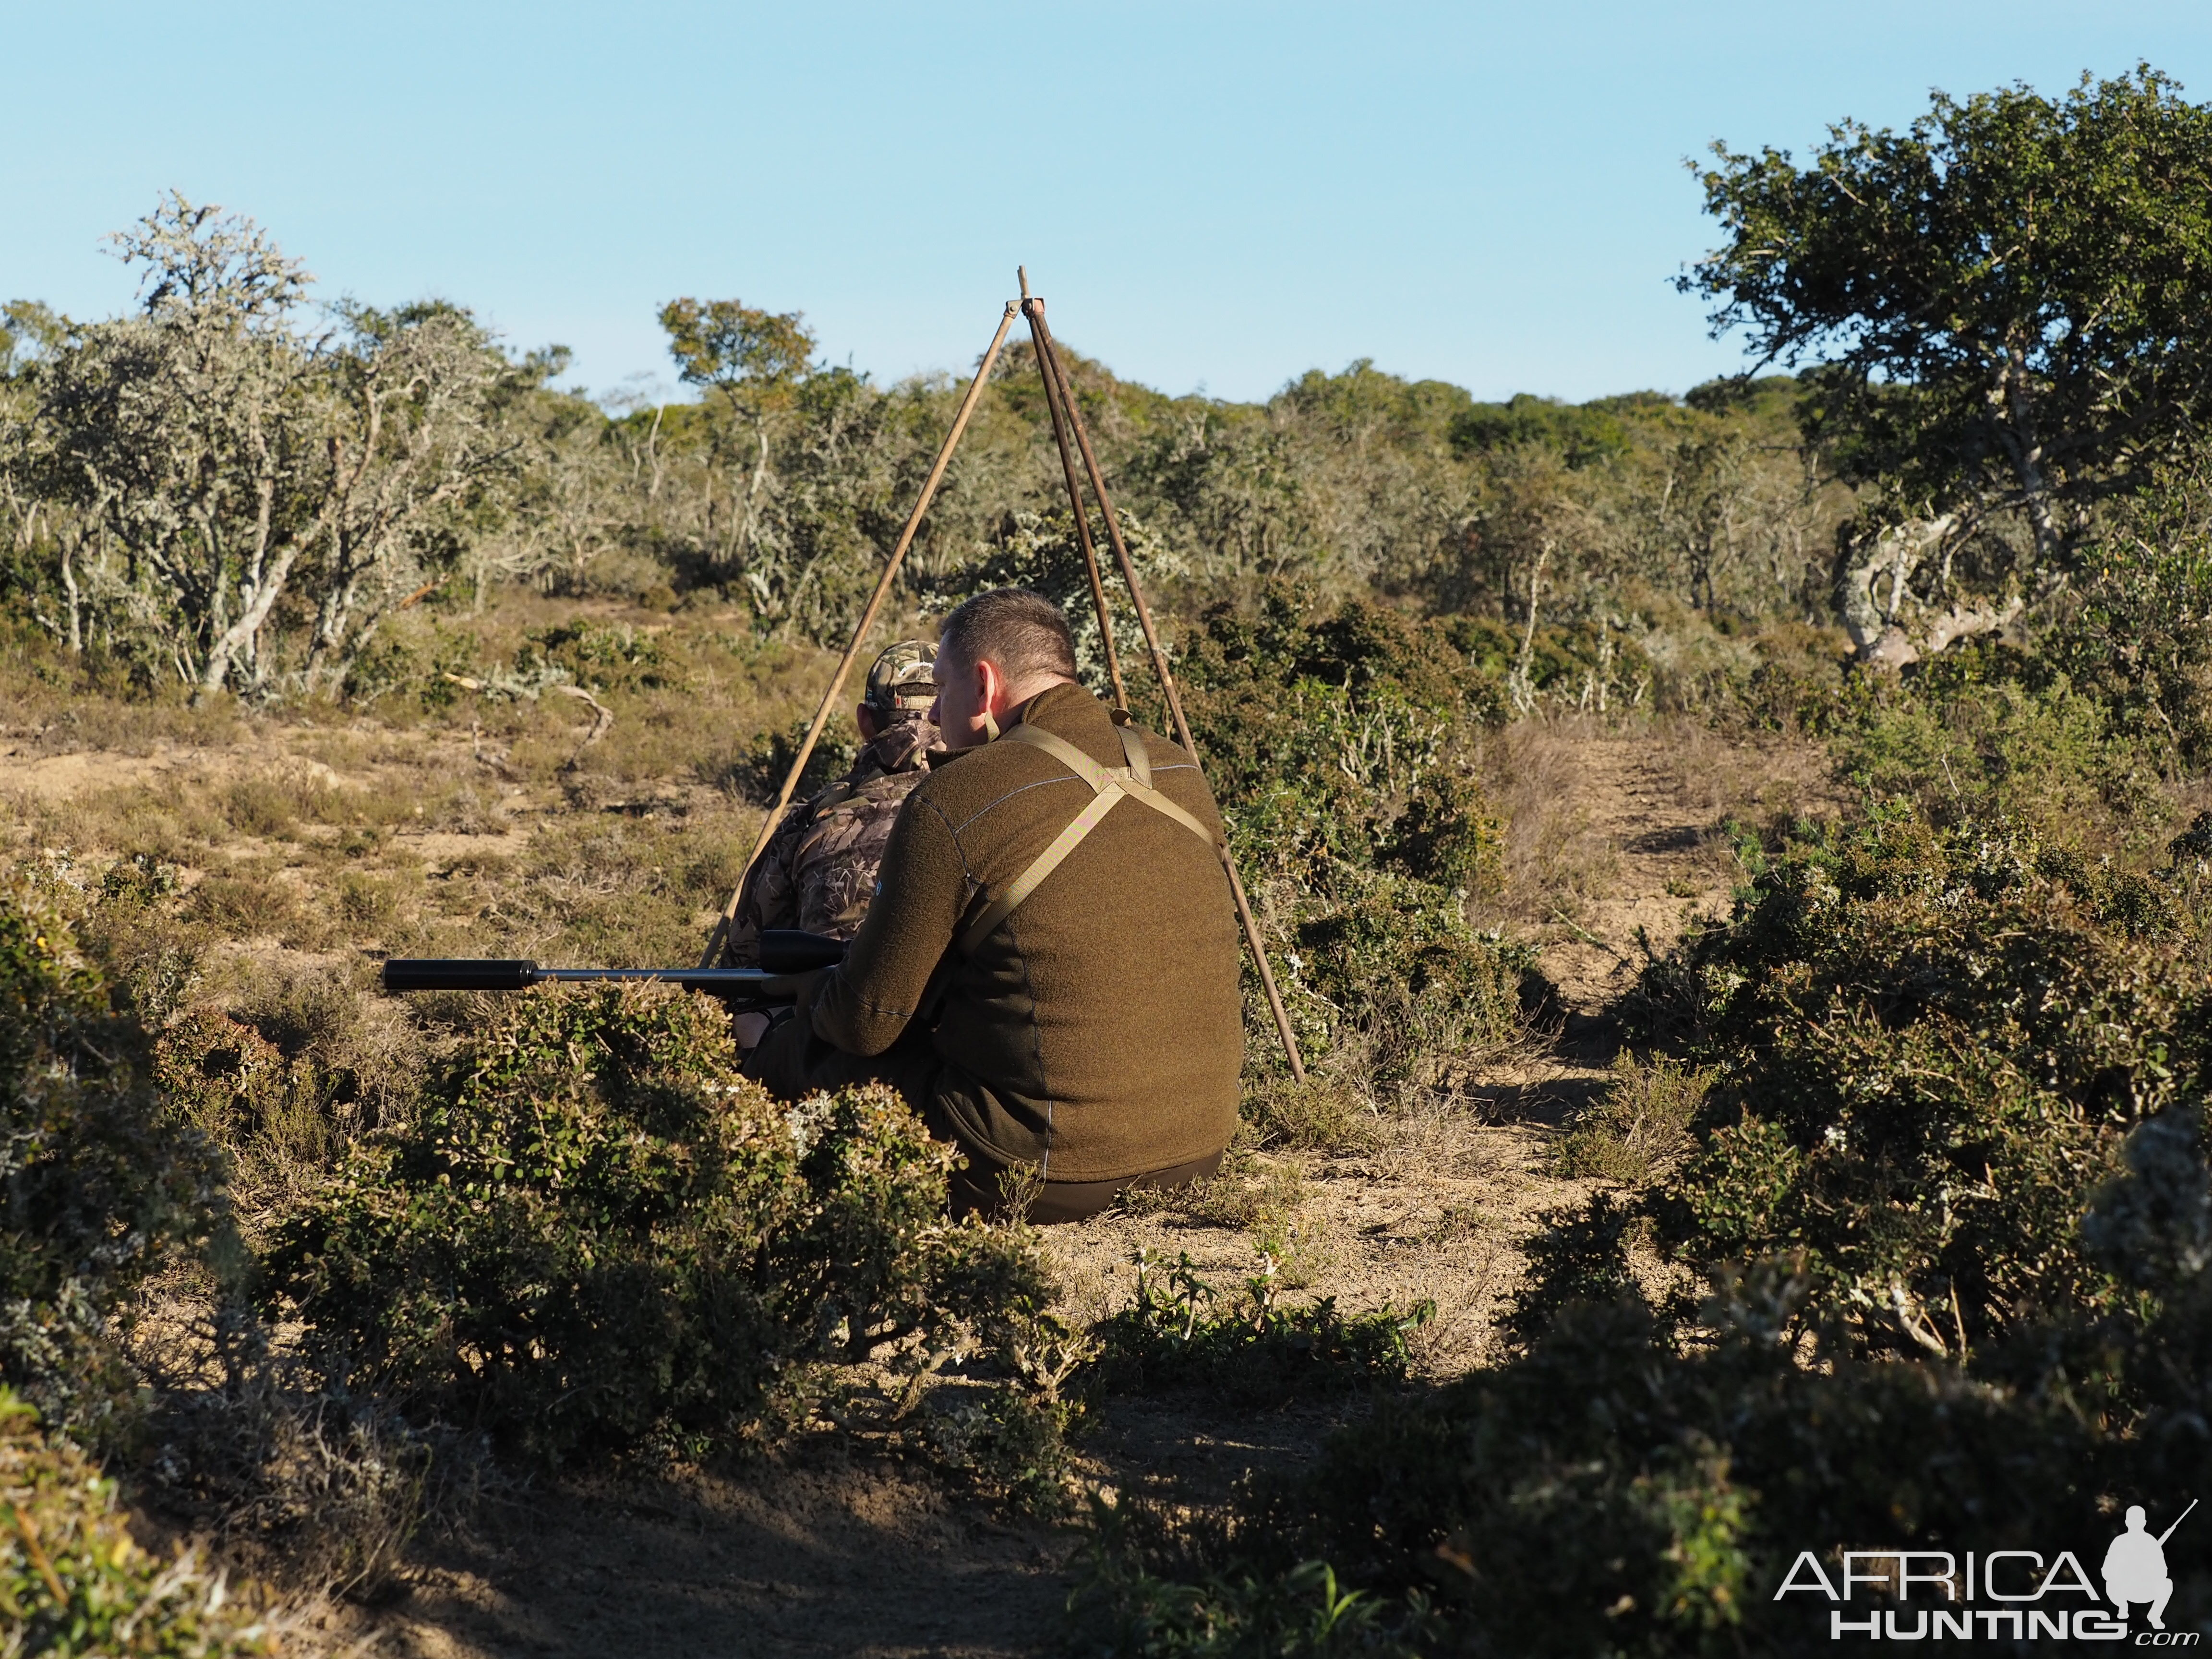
(1095, 1031)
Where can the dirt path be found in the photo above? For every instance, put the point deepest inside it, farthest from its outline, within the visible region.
(851, 1559)
(1669, 863)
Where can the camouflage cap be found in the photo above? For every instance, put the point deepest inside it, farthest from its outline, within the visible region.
(902, 680)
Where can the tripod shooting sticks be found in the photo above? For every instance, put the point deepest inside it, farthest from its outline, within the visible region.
(1062, 397)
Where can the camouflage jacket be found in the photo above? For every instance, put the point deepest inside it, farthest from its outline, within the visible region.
(819, 871)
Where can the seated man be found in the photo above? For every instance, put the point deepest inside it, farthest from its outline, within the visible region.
(1049, 973)
(819, 871)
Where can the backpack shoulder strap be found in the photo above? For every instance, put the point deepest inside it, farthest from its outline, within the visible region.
(1143, 791)
(1141, 758)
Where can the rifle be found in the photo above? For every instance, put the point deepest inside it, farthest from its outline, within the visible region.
(786, 954)
(2178, 1520)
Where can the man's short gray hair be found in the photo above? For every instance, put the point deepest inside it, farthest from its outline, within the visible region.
(1023, 633)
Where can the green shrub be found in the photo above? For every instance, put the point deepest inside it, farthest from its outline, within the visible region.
(602, 657)
(1631, 1485)
(99, 1189)
(1578, 1255)
(73, 1580)
(1640, 1125)
(765, 761)
(598, 1235)
(1247, 1345)
(1932, 1045)
(1337, 744)
(1602, 1495)
(1985, 732)
(2140, 637)
(1322, 732)
(1121, 1608)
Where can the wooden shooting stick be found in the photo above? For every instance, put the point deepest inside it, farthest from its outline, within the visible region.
(715, 940)
(1074, 496)
(1062, 397)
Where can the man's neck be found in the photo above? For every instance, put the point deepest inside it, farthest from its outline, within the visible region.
(1018, 698)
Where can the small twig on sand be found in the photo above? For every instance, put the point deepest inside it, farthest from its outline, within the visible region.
(1585, 935)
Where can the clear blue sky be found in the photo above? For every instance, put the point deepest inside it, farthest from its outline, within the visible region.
(1215, 196)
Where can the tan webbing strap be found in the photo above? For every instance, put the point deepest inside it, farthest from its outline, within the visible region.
(1061, 750)
(1047, 861)
(1140, 769)
(1141, 758)
(1132, 782)
(1166, 808)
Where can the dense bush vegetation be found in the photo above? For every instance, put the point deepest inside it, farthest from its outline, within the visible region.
(1341, 739)
(599, 1233)
(1934, 1046)
(1897, 1218)
(1247, 1343)
(74, 1581)
(779, 490)
(101, 1190)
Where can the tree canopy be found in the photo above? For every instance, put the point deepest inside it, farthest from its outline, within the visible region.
(216, 455)
(2006, 298)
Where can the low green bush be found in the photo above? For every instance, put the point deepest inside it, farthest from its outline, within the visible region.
(597, 1235)
(1323, 730)
(1180, 1331)
(100, 1188)
(1932, 1045)
(73, 1580)
(1639, 1126)
(1011, 1437)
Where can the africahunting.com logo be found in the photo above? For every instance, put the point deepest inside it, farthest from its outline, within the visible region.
(2007, 1595)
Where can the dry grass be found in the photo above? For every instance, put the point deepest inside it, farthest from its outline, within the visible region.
(1556, 857)
(1328, 1113)
(1637, 1128)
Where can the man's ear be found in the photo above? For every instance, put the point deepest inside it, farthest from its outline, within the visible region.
(864, 718)
(990, 684)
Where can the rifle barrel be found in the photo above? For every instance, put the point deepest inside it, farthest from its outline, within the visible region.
(2178, 1520)
(505, 974)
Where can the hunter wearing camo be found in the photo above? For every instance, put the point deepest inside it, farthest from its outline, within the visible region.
(818, 872)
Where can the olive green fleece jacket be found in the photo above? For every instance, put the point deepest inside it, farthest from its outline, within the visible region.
(1097, 1031)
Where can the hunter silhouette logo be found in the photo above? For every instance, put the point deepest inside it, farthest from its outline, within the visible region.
(2135, 1566)
(2012, 1595)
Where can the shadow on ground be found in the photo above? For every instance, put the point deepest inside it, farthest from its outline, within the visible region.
(858, 1559)
(1550, 1101)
